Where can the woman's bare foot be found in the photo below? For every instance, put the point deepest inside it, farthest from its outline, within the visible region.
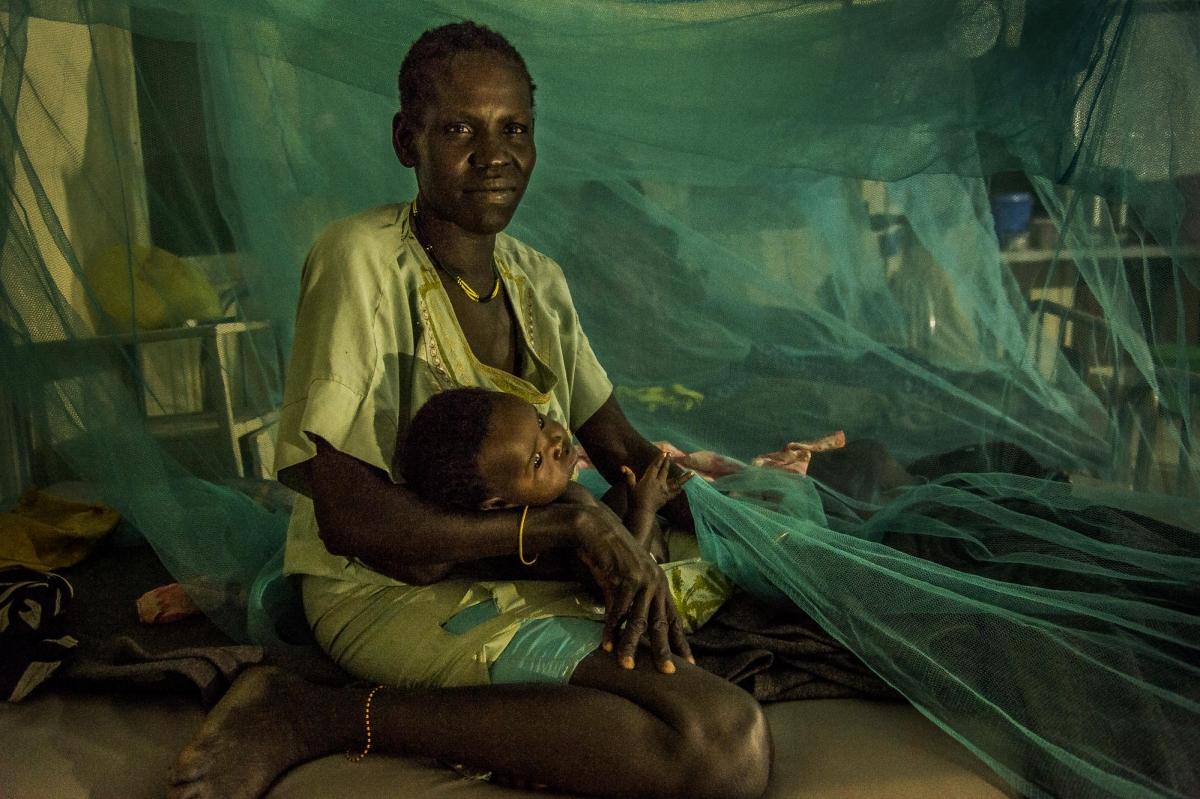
(268, 722)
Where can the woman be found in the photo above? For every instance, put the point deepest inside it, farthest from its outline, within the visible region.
(399, 303)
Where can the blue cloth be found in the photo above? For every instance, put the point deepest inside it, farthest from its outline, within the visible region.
(543, 650)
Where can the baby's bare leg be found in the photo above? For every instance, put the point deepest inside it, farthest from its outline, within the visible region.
(863, 470)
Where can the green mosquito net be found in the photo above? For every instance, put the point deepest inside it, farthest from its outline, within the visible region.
(945, 226)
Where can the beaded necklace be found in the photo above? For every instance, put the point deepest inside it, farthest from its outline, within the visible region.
(472, 294)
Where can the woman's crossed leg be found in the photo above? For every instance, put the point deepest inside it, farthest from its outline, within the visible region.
(609, 732)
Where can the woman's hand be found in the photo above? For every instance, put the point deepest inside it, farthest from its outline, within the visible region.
(637, 599)
(657, 487)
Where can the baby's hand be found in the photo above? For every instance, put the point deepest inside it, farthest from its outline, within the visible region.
(657, 487)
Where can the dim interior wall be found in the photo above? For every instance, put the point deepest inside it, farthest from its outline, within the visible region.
(77, 191)
(78, 104)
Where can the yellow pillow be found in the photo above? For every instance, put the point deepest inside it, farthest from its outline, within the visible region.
(150, 288)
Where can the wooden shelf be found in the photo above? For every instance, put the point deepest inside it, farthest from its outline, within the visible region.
(187, 331)
(219, 409)
(1033, 256)
(189, 425)
(203, 330)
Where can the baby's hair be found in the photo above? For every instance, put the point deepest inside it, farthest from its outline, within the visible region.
(426, 58)
(441, 453)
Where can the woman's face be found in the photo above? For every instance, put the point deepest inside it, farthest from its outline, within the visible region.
(527, 458)
(473, 151)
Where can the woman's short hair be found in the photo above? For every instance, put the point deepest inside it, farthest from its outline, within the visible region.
(433, 47)
(441, 453)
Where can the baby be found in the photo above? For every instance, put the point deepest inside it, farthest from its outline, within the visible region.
(485, 450)
(476, 449)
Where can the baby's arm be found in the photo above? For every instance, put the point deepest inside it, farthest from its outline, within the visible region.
(638, 502)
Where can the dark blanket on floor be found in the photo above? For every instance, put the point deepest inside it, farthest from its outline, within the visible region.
(780, 654)
(774, 653)
(192, 656)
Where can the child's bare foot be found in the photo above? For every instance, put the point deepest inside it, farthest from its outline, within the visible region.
(268, 722)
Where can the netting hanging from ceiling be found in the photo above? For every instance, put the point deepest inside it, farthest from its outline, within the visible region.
(934, 224)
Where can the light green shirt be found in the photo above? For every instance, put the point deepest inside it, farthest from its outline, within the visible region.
(376, 336)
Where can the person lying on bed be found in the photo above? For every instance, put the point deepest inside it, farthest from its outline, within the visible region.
(397, 304)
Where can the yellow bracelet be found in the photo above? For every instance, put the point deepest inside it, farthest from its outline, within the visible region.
(360, 756)
(521, 540)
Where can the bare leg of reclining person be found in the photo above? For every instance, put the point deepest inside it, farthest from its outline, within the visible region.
(863, 470)
(610, 732)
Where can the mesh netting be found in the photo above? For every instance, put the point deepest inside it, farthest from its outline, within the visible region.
(777, 219)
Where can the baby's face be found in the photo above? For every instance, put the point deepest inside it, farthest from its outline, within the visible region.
(527, 458)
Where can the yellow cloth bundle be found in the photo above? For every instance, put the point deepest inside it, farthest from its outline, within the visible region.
(45, 532)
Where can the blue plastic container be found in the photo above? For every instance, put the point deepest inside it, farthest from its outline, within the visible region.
(1012, 211)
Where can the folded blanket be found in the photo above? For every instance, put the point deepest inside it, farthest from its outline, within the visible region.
(191, 656)
(122, 662)
(780, 654)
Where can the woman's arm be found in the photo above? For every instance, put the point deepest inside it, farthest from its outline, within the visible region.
(361, 513)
